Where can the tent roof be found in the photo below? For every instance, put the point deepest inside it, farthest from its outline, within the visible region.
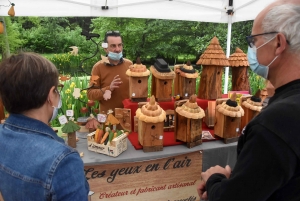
(190, 10)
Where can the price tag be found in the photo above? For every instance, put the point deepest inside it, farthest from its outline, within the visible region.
(101, 118)
(161, 137)
(70, 113)
(62, 119)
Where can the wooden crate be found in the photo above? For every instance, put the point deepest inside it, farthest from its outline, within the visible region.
(138, 88)
(114, 149)
(226, 127)
(186, 129)
(150, 136)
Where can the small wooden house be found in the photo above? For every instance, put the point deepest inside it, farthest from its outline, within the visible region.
(162, 81)
(138, 81)
(188, 122)
(252, 106)
(111, 120)
(213, 60)
(228, 119)
(124, 117)
(185, 80)
(239, 63)
(151, 126)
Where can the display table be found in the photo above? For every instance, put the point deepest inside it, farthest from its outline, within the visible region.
(214, 153)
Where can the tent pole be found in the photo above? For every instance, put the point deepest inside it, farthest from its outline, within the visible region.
(227, 53)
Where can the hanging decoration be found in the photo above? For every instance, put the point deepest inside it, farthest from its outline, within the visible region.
(11, 11)
(1, 27)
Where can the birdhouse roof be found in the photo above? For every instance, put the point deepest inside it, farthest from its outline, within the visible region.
(162, 75)
(190, 109)
(151, 112)
(238, 59)
(137, 69)
(111, 119)
(228, 110)
(186, 70)
(213, 55)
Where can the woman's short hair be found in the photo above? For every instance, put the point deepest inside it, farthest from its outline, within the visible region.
(25, 81)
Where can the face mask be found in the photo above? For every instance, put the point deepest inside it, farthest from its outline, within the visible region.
(55, 109)
(255, 66)
(115, 56)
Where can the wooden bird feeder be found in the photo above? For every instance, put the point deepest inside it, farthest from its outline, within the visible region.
(162, 81)
(228, 119)
(239, 63)
(188, 122)
(252, 106)
(185, 80)
(138, 81)
(213, 60)
(151, 126)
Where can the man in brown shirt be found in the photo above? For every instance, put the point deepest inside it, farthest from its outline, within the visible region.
(109, 83)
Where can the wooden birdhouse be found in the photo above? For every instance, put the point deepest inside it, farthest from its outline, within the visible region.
(228, 119)
(111, 120)
(151, 126)
(188, 122)
(138, 81)
(124, 117)
(252, 106)
(185, 80)
(162, 81)
(70, 128)
(213, 60)
(239, 63)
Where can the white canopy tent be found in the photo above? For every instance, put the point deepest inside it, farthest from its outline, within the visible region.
(217, 11)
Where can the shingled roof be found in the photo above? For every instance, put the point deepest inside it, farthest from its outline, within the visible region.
(238, 59)
(213, 55)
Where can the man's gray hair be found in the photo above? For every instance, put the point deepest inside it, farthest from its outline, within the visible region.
(284, 18)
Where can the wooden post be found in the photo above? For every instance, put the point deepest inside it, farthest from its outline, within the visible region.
(72, 139)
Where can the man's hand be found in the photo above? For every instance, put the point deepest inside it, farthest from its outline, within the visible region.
(216, 169)
(202, 191)
(115, 83)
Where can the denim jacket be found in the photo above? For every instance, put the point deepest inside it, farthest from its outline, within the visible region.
(36, 164)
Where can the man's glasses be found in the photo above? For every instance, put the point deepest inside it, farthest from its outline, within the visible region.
(251, 41)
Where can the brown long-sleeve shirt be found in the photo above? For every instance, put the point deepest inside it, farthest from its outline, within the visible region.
(106, 73)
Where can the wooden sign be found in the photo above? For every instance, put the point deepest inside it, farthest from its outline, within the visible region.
(171, 178)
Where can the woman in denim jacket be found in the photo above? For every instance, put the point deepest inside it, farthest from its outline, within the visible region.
(35, 164)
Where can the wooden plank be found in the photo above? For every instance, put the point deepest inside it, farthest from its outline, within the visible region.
(218, 129)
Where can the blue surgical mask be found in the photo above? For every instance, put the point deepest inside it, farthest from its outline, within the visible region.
(255, 66)
(55, 109)
(115, 56)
